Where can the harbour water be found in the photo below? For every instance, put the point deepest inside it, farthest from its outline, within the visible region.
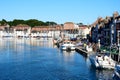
(39, 60)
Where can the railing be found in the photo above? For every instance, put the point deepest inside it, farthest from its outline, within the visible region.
(111, 50)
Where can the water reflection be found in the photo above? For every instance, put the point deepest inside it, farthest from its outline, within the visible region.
(68, 56)
(42, 43)
(16, 48)
(68, 53)
(39, 60)
(104, 74)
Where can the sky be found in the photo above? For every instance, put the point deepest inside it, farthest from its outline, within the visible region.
(59, 11)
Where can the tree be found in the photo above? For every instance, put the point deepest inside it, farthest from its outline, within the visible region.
(34, 22)
(17, 22)
(30, 22)
(3, 22)
(48, 23)
(80, 24)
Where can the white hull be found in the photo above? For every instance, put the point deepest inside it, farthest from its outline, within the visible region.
(102, 62)
(67, 45)
(94, 62)
(67, 48)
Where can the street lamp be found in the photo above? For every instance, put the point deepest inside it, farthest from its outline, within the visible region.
(112, 33)
(118, 52)
(118, 46)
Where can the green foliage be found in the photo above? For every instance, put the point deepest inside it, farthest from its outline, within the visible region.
(3, 22)
(34, 22)
(30, 22)
(10, 23)
(50, 23)
(80, 24)
(17, 22)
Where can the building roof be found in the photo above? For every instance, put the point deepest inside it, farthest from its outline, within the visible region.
(46, 28)
(21, 27)
(83, 26)
(39, 29)
(69, 26)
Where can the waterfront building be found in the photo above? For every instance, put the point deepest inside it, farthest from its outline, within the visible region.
(118, 35)
(108, 32)
(95, 32)
(70, 30)
(46, 31)
(2, 28)
(105, 30)
(38, 32)
(84, 30)
(118, 30)
(22, 31)
(55, 31)
(6, 31)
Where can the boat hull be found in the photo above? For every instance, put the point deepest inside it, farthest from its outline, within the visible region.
(67, 48)
(116, 75)
(95, 63)
(102, 63)
(67, 45)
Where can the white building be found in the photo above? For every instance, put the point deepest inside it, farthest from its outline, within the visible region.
(70, 30)
(5, 31)
(22, 31)
(45, 32)
(83, 31)
(2, 28)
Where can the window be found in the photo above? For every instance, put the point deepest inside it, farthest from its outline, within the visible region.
(118, 38)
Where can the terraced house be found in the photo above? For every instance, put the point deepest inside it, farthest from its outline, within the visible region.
(22, 31)
(118, 30)
(108, 32)
(46, 31)
(6, 31)
(70, 30)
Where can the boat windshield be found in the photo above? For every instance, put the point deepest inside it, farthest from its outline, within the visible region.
(67, 42)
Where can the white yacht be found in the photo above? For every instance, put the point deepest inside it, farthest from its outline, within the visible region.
(116, 75)
(67, 45)
(102, 61)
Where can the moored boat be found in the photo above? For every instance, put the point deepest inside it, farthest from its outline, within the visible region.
(67, 45)
(102, 61)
